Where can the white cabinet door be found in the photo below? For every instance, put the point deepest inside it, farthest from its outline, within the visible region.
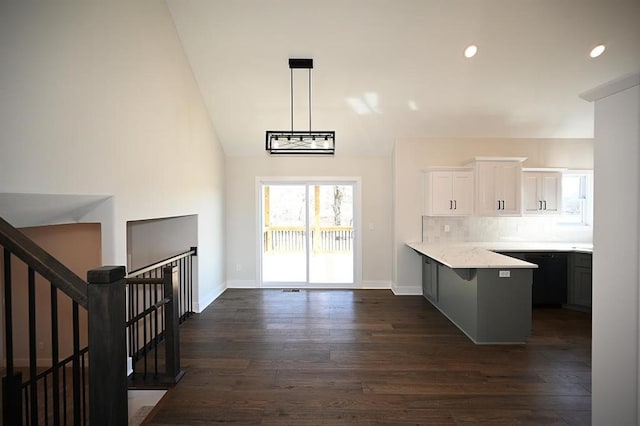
(530, 197)
(508, 188)
(448, 193)
(441, 198)
(542, 192)
(462, 193)
(486, 200)
(498, 188)
(551, 187)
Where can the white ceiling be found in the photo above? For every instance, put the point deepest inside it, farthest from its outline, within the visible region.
(532, 64)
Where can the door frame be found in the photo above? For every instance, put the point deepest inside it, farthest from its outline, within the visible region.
(356, 181)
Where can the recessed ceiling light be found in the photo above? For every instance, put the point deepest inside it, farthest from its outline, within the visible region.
(597, 51)
(470, 51)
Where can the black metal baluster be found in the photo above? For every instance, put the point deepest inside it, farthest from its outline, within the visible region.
(134, 331)
(8, 313)
(33, 351)
(55, 355)
(182, 291)
(130, 315)
(27, 410)
(46, 400)
(155, 333)
(144, 329)
(191, 283)
(75, 366)
(64, 400)
(185, 266)
(84, 390)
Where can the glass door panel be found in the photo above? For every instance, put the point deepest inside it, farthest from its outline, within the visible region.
(284, 233)
(331, 230)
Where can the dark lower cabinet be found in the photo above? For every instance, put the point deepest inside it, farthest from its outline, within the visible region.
(549, 279)
(430, 279)
(579, 280)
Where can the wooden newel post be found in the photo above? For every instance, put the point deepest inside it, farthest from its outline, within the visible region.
(108, 403)
(172, 320)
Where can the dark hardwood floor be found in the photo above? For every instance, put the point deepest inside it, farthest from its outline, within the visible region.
(368, 357)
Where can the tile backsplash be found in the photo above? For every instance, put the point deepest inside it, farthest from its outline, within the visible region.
(474, 228)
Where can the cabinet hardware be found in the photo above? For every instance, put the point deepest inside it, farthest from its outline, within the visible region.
(498, 204)
(455, 204)
(545, 204)
(540, 202)
(450, 205)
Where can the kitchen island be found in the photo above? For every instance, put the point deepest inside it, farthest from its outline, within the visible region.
(485, 294)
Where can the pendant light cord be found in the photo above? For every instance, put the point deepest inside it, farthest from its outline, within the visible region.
(309, 100)
(291, 90)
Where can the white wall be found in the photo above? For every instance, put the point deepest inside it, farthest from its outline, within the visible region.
(616, 279)
(149, 241)
(242, 211)
(97, 98)
(411, 156)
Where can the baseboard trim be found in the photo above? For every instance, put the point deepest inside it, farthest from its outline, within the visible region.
(406, 290)
(242, 284)
(376, 285)
(364, 285)
(201, 305)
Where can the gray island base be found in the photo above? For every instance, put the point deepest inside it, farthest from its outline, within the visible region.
(491, 304)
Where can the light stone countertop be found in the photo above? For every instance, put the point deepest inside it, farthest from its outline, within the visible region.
(459, 256)
(481, 255)
(538, 246)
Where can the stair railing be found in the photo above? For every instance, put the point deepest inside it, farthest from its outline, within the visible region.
(153, 320)
(92, 391)
(184, 263)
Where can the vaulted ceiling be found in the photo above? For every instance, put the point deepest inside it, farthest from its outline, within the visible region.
(391, 69)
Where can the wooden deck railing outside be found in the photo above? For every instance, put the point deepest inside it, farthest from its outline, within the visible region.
(291, 239)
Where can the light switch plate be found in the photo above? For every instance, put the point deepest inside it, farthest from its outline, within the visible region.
(504, 274)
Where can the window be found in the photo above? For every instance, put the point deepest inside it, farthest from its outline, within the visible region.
(577, 197)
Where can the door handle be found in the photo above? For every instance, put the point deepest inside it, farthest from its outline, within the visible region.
(545, 204)
(498, 204)
(540, 202)
(455, 204)
(450, 205)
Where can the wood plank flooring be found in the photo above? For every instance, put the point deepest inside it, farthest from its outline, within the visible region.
(331, 357)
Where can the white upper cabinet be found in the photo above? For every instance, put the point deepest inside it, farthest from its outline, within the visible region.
(541, 191)
(498, 186)
(448, 192)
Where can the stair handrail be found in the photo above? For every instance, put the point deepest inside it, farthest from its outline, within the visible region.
(192, 251)
(43, 263)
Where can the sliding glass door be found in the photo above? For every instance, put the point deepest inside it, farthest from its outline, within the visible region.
(307, 233)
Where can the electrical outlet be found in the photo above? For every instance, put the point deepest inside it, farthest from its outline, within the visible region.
(504, 274)
(238, 267)
(447, 228)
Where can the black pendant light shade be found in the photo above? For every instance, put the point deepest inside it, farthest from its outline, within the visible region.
(300, 141)
(288, 142)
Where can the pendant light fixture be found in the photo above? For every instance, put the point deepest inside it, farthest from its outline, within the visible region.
(300, 141)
